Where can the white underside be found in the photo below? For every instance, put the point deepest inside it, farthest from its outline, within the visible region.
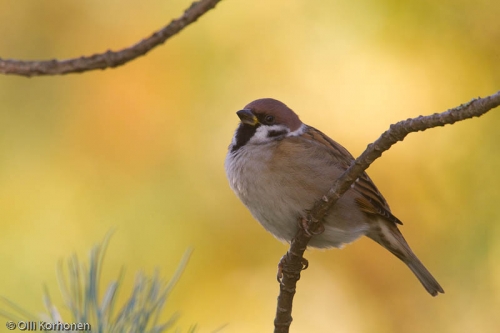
(277, 195)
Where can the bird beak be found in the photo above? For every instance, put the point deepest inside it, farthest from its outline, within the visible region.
(247, 117)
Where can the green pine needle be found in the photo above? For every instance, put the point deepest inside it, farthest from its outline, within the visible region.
(79, 285)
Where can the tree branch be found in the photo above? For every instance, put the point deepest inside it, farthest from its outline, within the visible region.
(292, 261)
(109, 58)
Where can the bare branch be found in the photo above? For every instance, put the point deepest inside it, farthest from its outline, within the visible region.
(293, 259)
(109, 58)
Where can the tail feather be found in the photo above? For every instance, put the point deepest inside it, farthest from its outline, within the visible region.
(388, 235)
(424, 276)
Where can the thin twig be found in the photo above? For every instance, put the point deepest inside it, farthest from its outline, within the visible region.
(293, 259)
(109, 58)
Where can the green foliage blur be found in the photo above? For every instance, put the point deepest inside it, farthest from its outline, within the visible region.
(93, 304)
(140, 148)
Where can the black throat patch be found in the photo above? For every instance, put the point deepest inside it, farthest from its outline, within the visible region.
(243, 134)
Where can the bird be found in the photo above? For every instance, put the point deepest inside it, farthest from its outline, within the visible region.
(279, 167)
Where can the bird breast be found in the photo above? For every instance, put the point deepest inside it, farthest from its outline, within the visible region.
(279, 180)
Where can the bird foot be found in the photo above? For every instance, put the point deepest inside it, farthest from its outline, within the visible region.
(303, 261)
(303, 223)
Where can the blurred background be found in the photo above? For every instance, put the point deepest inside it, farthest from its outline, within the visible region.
(141, 148)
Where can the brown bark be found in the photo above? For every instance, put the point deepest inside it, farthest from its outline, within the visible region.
(292, 261)
(109, 58)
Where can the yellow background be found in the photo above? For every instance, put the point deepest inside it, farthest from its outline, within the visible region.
(140, 148)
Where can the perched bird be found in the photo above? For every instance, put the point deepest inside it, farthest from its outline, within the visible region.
(279, 166)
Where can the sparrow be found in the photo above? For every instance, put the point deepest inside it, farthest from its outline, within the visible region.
(278, 167)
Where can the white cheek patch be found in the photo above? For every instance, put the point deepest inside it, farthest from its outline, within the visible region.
(298, 131)
(262, 133)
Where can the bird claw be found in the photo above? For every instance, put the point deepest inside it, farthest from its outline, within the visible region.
(279, 275)
(305, 226)
(304, 262)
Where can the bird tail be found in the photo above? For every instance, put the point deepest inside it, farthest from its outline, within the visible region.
(389, 236)
(424, 276)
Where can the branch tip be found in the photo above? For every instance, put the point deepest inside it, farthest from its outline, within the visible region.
(396, 132)
(108, 59)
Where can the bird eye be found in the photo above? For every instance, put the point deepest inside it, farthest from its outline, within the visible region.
(269, 119)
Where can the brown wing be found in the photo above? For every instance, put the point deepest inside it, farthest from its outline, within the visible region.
(370, 200)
